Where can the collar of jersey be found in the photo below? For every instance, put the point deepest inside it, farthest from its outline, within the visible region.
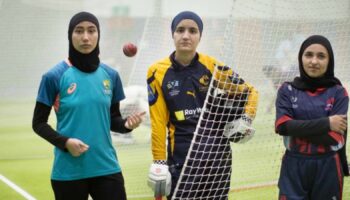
(178, 66)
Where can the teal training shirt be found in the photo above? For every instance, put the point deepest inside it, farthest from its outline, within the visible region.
(82, 105)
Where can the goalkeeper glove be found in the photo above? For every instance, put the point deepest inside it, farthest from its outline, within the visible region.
(240, 130)
(229, 81)
(159, 179)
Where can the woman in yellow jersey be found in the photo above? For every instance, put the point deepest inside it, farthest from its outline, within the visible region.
(177, 88)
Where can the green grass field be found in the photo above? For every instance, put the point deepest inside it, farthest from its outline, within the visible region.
(26, 159)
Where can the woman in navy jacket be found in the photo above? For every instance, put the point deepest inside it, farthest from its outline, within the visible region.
(311, 115)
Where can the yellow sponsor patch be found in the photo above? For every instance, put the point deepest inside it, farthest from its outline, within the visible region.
(180, 115)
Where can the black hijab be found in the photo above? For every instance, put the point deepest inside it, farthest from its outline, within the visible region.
(84, 62)
(305, 82)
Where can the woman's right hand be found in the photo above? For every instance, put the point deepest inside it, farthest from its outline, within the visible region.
(76, 147)
(338, 123)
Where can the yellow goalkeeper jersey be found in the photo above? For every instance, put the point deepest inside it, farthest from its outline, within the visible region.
(176, 96)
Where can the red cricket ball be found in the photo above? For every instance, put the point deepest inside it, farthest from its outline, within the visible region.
(129, 49)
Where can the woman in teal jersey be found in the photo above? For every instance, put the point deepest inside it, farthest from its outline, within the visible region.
(85, 94)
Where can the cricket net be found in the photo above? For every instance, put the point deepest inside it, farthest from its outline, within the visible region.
(258, 39)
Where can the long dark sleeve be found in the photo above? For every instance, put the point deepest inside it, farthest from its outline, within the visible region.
(300, 128)
(316, 131)
(43, 129)
(117, 122)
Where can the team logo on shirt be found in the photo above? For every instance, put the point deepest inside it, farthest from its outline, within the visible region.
(329, 104)
(204, 81)
(172, 86)
(294, 101)
(107, 86)
(72, 88)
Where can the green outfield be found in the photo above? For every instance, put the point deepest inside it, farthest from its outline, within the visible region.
(26, 159)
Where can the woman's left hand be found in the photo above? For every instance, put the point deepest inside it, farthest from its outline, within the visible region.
(134, 120)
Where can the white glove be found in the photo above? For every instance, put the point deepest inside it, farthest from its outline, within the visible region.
(159, 179)
(240, 130)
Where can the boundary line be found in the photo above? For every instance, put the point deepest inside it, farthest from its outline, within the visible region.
(238, 189)
(19, 190)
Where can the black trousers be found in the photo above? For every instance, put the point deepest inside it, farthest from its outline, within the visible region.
(109, 187)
